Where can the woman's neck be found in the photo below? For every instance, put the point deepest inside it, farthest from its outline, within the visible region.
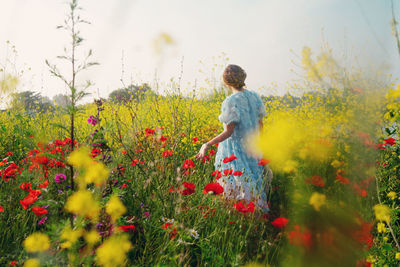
(234, 90)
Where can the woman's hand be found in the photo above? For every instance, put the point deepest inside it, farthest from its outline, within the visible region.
(203, 151)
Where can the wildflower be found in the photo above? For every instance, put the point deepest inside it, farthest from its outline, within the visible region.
(263, 162)
(44, 184)
(241, 208)
(188, 164)
(92, 237)
(341, 179)
(26, 187)
(193, 233)
(391, 195)
(280, 222)
(115, 208)
(217, 174)
(195, 139)
(113, 251)
(32, 263)
(70, 236)
(389, 141)
(381, 227)
(167, 153)
(228, 172)
(229, 159)
(59, 178)
(14, 263)
(382, 213)
(237, 173)
(170, 190)
(336, 164)
(397, 256)
(42, 220)
(147, 214)
(123, 186)
(316, 180)
(216, 188)
(190, 188)
(127, 228)
(82, 203)
(363, 235)
(211, 152)
(300, 238)
(37, 242)
(1, 208)
(317, 200)
(97, 174)
(92, 120)
(80, 158)
(162, 138)
(39, 211)
(27, 201)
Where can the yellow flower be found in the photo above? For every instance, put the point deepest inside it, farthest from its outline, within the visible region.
(112, 252)
(382, 213)
(71, 236)
(391, 195)
(397, 256)
(317, 200)
(115, 208)
(80, 158)
(381, 227)
(37, 242)
(97, 173)
(82, 203)
(336, 164)
(32, 263)
(92, 237)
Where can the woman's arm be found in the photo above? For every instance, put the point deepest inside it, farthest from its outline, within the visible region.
(219, 138)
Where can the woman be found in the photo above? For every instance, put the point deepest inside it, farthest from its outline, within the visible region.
(241, 115)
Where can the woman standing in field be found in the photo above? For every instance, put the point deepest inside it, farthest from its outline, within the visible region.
(241, 115)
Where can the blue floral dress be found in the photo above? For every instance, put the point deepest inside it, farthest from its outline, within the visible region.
(245, 109)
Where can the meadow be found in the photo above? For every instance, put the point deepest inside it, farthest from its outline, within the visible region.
(116, 183)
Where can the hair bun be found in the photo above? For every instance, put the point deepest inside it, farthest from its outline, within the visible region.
(234, 76)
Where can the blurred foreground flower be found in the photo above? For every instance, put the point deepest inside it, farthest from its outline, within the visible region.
(37, 242)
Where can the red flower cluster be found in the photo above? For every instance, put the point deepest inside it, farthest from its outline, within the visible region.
(148, 131)
(173, 233)
(39, 211)
(30, 198)
(216, 188)
(389, 141)
(26, 186)
(228, 172)
(10, 171)
(189, 188)
(280, 222)
(341, 179)
(229, 159)
(243, 209)
(315, 180)
(127, 228)
(95, 152)
(188, 164)
(162, 138)
(300, 238)
(217, 174)
(135, 162)
(167, 153)
(207, 211)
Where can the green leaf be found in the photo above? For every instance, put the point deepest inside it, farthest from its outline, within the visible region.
(387, 247)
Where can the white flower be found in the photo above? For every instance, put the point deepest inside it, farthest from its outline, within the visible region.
(194, 233)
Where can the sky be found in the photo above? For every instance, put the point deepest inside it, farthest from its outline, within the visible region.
(264, 37)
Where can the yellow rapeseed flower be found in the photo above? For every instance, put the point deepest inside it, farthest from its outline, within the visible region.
(397, 256)
(92, 237)
(37, 242)
(115, 208)
(382, 213)
(32, 263)
(71, 236)
(317, 200)
(113, 251)
(97, 173)
(381, 227)
(391, 195)
(82, 203)
(80, 158)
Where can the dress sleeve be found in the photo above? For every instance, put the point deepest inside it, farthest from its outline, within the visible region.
(229, 112)
(260, 107)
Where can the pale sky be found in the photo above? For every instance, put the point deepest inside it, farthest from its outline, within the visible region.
(255, 34)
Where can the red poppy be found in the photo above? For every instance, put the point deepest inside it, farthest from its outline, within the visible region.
(170, 190)
(27, 201)
(148, 131)
(167, 153)
(243, 209)
(211, 152)
(26, 186)
(263, 162)
(342, 179)
(1, 209)
(127, 228)
(216, 188)
(39, 211)
(166, 225)
(95, 152)
(195, 139)
(189, 188)
(217, 174)
(237, 173)
(389, 141)
(228, 172)
(162, 138)
(229, 159)
(315, 180)
(299, 238)
(188, 164)
(123, 186)
(41, 159)
(173, 234)
(280, 222)
(363, 235)
(60, 164)
(44, 184)
(14, 263)
(34, 193)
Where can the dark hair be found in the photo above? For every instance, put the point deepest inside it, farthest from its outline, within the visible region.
(234, 76)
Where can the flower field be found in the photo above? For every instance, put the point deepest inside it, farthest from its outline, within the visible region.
(117, 183)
